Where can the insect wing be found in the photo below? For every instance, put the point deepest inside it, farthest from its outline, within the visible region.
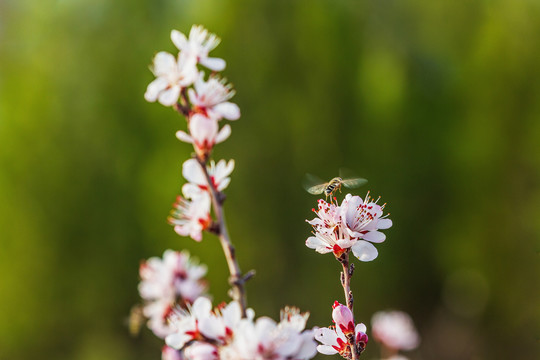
(313, 184)
(353, 183)
(317, 189)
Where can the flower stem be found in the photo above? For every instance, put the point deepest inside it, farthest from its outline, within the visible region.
(236, 280)
(346, 275)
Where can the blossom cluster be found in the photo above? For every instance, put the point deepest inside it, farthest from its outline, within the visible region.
(173, 288)
(191, 213)
(181, 84)
(354, 225)
(203, 333)
(344, 337)
(175, 280)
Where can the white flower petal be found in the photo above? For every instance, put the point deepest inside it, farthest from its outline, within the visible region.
(164, 64)
(215, 64)
(177, 341)
(201, 307)
(228, 110)
(170, 96)
(223, 134)
(384, 224)
(313, 242)
(183, 136)
(326, 350)
(192, 191)
(374, 236)
(192, 171)
(223, 184)
(179, 40)
(154, 88)
(364, 251)
(308, 348)
(326, 336)
(360, 328)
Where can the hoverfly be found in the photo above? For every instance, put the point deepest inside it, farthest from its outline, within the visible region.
(315, 186)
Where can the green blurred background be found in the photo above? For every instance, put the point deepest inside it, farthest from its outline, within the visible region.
(436, 103)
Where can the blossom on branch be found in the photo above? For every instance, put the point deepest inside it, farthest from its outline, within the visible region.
(198, 184)
(210, 98)
(190, 218)
(204, 133)
(198, 45)
(172, 76)
(174, 280)
(337, 339)
(203, 333)
(353, 225)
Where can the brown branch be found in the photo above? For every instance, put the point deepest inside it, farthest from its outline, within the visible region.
(345, 278)
(236, 280)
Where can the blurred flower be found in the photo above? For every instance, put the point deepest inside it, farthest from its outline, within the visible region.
(190, 218)
(157, 312)
(172, 76)
(292, 317)
(222, 333)
(186, 323)
(175, 279)
(168, 353)
(198, 185)
(201, 351)
(198, 45)
(395, 330)
(204, 134)
(176, 275)
(210, 98)
(264, 339)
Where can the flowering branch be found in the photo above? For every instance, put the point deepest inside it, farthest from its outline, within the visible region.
(173, 288)
(236, 279)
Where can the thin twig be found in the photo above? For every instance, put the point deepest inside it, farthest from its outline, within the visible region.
(236, 280)
(345, 278)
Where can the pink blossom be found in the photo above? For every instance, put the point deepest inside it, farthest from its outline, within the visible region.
(172, 76)
(210, 99)
(198, 185)
(325, 243)
(334, 340)
(328, 217)
(343, 318)
(175, 279)
(198, 45)
(157, 312)
(204, 133)
(264, 339)
(190, 218)
(353, 225)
